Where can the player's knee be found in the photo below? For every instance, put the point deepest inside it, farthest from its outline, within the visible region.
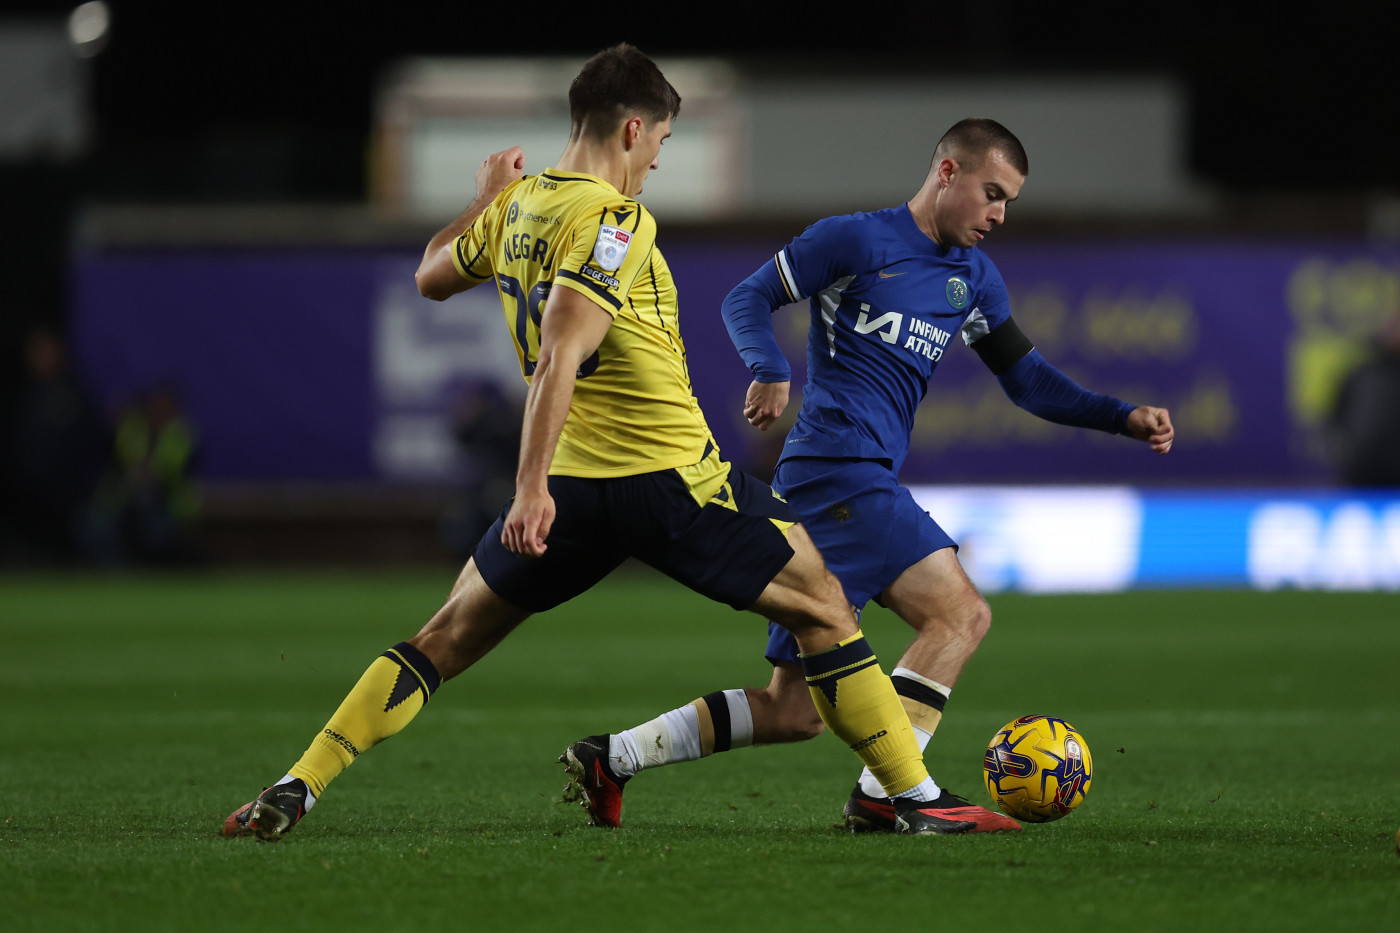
(813, 618)
(969, 621)
(453, 619)
(978, 620)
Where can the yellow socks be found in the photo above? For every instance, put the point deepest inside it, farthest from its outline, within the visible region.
(857, 700)
(923, 699)
(388, 695)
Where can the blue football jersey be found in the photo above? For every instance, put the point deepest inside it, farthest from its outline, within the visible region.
(886, 301)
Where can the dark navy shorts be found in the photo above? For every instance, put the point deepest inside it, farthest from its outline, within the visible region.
(868, 528)
(717, 530)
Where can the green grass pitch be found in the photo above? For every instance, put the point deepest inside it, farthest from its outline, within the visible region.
(1247, 770)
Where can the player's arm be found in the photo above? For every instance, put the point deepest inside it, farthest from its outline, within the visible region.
(748, 316)
(438, 275)
(826, 251)
(570, 331)
(1038, 387)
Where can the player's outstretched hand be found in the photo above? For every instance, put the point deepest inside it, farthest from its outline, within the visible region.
(765, 402)
(1153, 425)
(498, 170)
(527, 524)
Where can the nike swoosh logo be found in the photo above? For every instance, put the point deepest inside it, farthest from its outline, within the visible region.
(889, 275)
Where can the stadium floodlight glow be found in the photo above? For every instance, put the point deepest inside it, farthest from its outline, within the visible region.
(89, 28)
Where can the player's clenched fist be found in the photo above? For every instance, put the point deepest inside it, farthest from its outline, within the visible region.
(498, 170)
(1153, 425)
(764, 402)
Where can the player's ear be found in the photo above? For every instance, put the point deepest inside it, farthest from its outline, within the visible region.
(631, 131)
(947, 168)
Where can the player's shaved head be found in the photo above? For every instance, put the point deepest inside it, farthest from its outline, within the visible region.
(970, 141)
(614, 84)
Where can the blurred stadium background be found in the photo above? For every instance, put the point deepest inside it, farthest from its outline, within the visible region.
(214, 353)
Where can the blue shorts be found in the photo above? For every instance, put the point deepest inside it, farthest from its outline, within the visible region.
(868, 528)
(729, 549)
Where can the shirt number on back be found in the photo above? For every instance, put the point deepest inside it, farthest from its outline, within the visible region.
(529, 307)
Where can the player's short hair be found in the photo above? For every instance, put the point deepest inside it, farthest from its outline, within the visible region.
(616, 83)
(970, 141)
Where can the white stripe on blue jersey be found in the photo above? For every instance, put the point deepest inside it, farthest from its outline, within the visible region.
(785, 272)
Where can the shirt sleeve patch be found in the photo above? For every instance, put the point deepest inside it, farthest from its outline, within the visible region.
(610, 249)
(589, 286)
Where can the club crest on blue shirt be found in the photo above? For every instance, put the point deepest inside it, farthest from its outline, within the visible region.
(610, 249)
(957, 293)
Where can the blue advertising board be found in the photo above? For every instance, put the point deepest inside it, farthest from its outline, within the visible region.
(329, 365)
(1109, 538)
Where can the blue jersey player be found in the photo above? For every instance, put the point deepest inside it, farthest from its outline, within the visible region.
(888, 291)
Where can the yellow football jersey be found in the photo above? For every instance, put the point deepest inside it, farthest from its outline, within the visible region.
(633, 409)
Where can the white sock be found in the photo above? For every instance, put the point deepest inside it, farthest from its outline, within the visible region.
(671, 737)
(675, 736)
(923, 791)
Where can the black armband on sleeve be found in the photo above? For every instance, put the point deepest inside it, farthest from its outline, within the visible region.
(1003, 348)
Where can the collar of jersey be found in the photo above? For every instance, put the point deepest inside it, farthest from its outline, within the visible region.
(560, 173)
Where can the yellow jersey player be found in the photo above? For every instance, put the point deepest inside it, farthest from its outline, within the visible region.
(616, 461)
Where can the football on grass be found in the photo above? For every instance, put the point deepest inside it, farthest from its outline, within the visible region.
(1038, 768)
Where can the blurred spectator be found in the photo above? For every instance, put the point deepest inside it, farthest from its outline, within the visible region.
(1363, 424)
(149, 501)
(58, 449)
(486, 426)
